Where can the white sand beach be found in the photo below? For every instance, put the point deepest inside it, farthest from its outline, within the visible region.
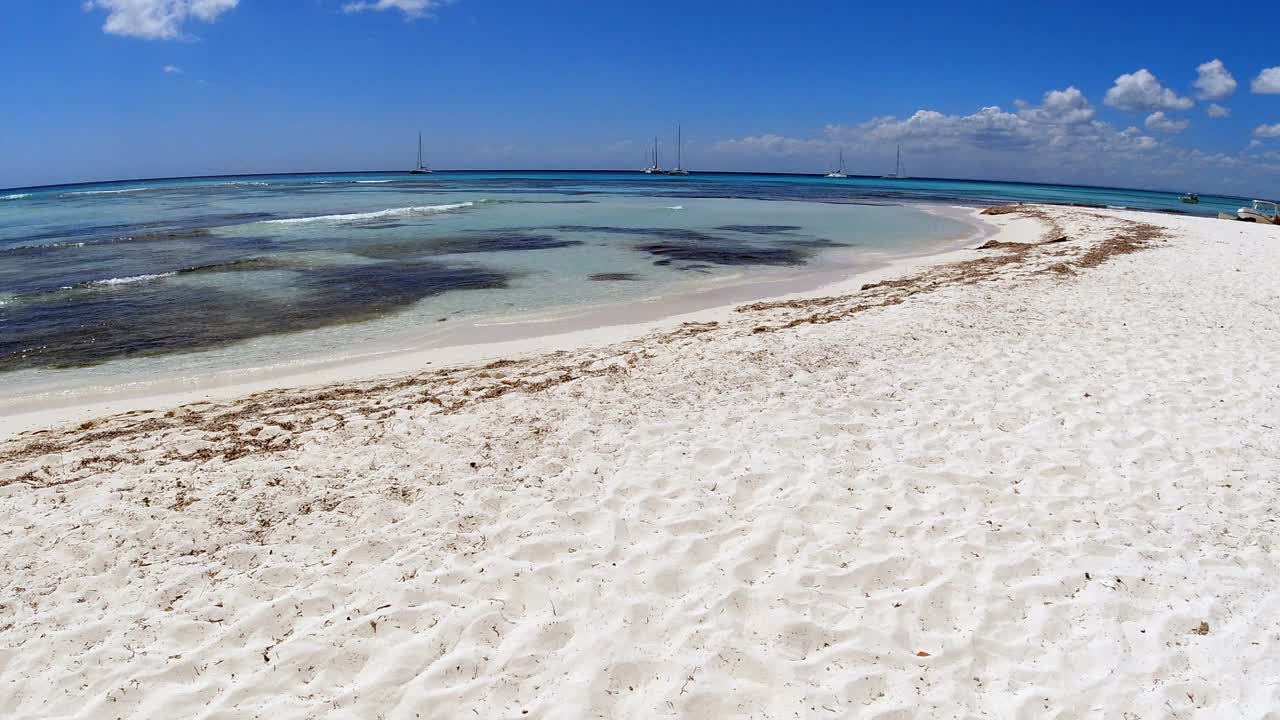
(1035, 480)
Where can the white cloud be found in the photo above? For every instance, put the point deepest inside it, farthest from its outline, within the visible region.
(172, 70)
(156, 19)
(1267, 131)
(1214, 81)
(1059, 106)
(1142, 92)
(1056, 140)
(410, 8)
(1255, 144)
(1267, 82)
(1163, 123)
(1058, 135)
(1217, 111)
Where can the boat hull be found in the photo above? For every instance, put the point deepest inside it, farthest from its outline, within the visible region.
(1250, 215)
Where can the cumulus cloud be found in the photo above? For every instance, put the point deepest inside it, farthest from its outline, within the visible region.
(1214, 81)
(1141, 92)
(1217, 111)
(1255, 144)
(172, 70)
(1029, 143)
(1060, 130)
(410, 8)
(1163, 123)
(989, 127)
(157, 19)
(1059, 106)
(1057, 140)
(1267, 82)
(1267, 131)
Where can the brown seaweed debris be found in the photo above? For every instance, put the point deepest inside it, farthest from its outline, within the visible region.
(613, 277)
(271, 422)
(1133, 236)
(1001, 209)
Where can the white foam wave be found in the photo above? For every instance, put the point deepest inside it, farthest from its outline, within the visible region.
(104, 192)
(16, 196)
(128, 280)
(372, 182)
(675, 207)
(390, 212)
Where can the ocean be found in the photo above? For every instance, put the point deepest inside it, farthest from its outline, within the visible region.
(214, 274)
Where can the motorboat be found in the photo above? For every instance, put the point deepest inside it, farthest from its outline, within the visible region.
(1261, 211)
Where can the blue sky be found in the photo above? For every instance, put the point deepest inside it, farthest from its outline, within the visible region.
(136, 88)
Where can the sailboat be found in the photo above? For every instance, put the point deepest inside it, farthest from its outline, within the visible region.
(679, 170)
(654, 168)
(420, 169)
(897, 169)
(840, 173)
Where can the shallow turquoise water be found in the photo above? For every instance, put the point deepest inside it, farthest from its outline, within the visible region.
(103, 273)
(107, 273)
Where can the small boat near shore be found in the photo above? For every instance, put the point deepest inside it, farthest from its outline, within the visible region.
(1261, 211)
(1190, 198)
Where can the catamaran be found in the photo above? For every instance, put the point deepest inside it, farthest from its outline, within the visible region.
(679, 169)
(897, 169)
(840, 173)
(654, 168)
(420, 169)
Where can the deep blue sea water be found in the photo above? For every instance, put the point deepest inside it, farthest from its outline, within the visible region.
(109, 272)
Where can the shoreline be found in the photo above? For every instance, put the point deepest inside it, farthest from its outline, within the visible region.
(578, 328)
(1037, 479)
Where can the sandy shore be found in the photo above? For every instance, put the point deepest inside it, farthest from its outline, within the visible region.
(1034, 480)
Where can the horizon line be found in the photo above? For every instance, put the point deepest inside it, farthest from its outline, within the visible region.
(611, 171)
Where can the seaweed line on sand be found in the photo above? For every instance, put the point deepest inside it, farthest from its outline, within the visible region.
(275, 421)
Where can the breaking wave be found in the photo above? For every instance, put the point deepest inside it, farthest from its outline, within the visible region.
(104, 192)
(126, 280)
(360, 217)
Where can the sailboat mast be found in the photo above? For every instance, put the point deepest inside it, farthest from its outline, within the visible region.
(419, 149)
(679, 148)
(897, 166)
